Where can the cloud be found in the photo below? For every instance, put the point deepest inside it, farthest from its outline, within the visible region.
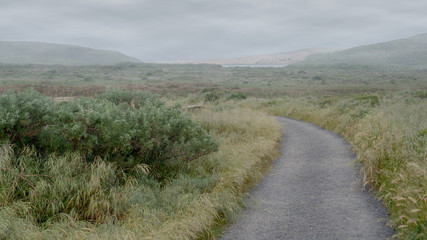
(185, 29)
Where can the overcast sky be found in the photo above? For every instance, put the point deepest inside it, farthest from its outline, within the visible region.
(205, 29)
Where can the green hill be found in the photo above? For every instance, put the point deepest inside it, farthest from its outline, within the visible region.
(47, 53)
(404, 52)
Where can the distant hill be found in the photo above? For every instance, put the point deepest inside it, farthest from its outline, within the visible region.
(266, 59)
(47, 53)
(404, 52)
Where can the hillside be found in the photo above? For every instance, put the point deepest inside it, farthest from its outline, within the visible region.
(266, 59)
(404, 52)
(47, 53)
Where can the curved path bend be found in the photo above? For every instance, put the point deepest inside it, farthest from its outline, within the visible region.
(312, 192)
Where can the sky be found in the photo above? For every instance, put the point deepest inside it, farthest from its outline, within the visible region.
(202, 29)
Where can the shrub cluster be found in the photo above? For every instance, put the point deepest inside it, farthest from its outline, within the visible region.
(215, 96)
(124, 127)
(237, 96)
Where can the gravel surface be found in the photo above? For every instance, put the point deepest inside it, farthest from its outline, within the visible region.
(312, 192)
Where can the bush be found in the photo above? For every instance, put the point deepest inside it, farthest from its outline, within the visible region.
(133, 98)
(88, 79)
(123, 127)
(372, 100)
(317, 78)
(237, 96)
(421, 94)
(23, 116)
(212, 96)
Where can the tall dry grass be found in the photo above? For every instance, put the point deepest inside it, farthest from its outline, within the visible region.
(388, 134)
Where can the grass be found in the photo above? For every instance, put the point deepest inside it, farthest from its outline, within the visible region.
(206, 190)
(379, 110)
(388, 134)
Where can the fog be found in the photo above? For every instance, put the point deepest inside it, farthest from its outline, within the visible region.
(196, 29)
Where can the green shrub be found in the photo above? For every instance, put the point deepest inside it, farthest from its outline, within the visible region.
(358, 106)
(133, 98)
(317, 78)
(23, 116)
(421, 94)
(237, 96)
(212, 96)
(88, 79)
(120, 126)
(372, 100)
(210, 89)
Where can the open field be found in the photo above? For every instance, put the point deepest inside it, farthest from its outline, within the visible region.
(381, 111)
(184, 79)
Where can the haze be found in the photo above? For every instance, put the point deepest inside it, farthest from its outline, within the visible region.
(195, 29)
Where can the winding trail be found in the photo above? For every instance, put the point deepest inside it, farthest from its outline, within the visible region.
(312, 192)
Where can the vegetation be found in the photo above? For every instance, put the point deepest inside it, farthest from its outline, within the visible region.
(122, 127)
(182, 80)
(123, 164)
(83, 185)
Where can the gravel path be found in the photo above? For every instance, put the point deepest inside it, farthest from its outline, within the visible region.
(311, 193)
